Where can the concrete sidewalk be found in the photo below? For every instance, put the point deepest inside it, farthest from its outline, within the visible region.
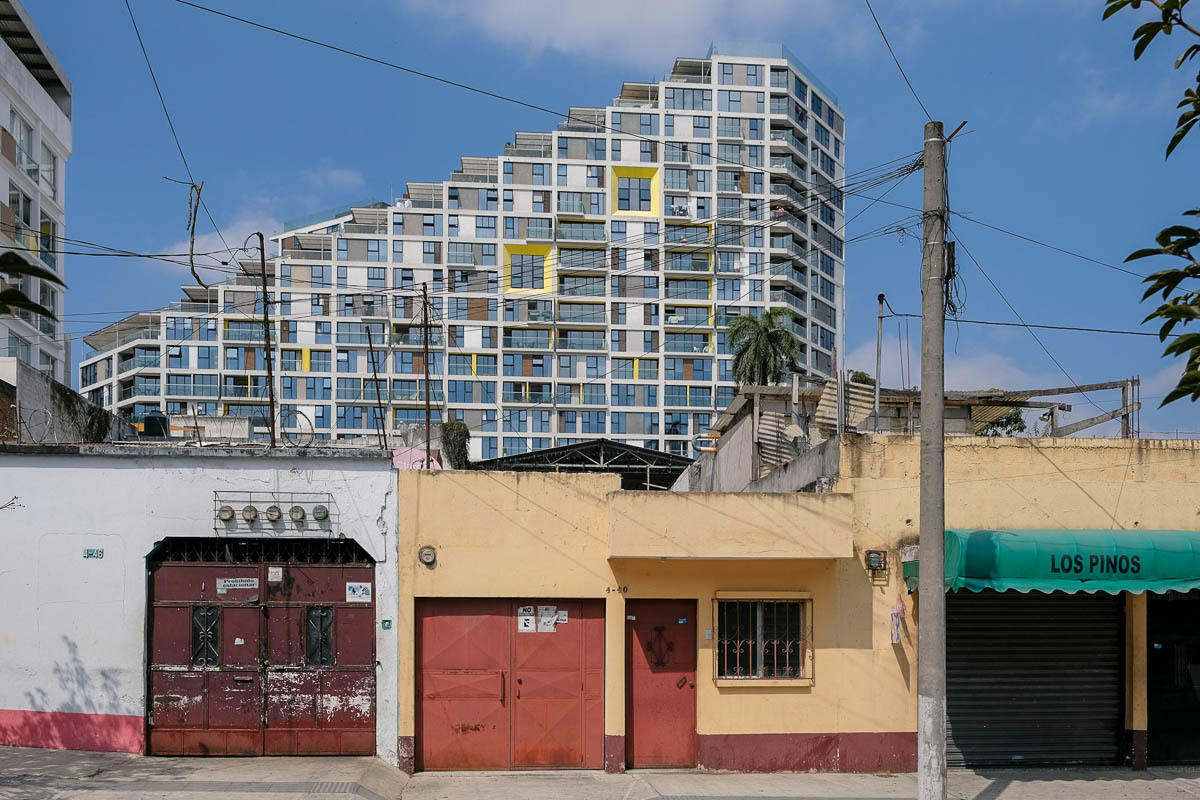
(33, 774)
(28, 774)
(1023, 784)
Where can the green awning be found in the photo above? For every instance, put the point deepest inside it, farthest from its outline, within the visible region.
(1069, 561)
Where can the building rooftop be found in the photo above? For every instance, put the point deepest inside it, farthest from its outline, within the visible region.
(770, 50)
(21, 35)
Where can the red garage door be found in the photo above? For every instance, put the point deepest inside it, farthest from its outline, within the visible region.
(261, 648)
(510, 684)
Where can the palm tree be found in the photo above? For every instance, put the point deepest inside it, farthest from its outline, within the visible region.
(764, 351)
(13, 299)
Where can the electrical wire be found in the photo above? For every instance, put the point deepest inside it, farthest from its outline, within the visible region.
(1056, 248)
(171, 124)
(1041, 327)
(1023, 323)
(897, 60)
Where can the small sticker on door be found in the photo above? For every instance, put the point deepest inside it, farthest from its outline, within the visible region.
(683, 620)
(224, 584)
(239, 640)
(525, 621)
(274, 574)
(562, 616)
(631, 618)
(358, 592)
(546, 617)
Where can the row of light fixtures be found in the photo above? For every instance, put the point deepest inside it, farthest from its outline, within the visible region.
(273, 513)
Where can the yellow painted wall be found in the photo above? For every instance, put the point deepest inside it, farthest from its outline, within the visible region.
(655, 176)
(545, 535)
(542, 250)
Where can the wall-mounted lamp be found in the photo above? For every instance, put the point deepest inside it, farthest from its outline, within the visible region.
(876, 560)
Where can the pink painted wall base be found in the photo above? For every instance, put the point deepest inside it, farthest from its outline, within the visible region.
(116, 733)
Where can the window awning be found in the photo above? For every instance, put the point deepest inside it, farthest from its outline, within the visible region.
(1069, 561)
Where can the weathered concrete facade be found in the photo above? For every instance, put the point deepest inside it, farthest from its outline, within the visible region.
(80, 522)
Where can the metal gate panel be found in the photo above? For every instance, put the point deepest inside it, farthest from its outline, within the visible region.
(549, 708)
(1033, 678)
(233, 668)
(463, 661)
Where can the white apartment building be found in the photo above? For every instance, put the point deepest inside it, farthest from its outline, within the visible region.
(579, 284)
(35, 141)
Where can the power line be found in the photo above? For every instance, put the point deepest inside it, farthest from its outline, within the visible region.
(171, 124)
(1056, 248)
(893, 52)
(1024, 324)
(1043, 327)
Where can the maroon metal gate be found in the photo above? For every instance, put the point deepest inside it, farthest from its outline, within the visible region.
(510, 684)
(261, 647)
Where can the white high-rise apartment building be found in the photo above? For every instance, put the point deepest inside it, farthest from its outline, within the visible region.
(579, 284)
(35, 141)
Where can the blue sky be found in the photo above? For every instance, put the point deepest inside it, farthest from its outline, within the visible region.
(1065, 145)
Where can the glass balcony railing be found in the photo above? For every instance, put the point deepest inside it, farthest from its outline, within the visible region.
(581, 343)
(590, 315)
(245, 335)
(789, 272)
(418, 339)
(599, 290)
(788, 244)
(244, 391)
(789, 299)
(690, 320)
(585, 234)
(569, 206)
(534, 342)
(783, 190)
(789, 138)
(789, 166)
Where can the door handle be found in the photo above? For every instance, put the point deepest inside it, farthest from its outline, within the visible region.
(679, 684)
(518, 688)
(502, 682)
(242, 679)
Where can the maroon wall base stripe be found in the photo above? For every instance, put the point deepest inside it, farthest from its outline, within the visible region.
(614, 753)
(809, 752)
(406, 750)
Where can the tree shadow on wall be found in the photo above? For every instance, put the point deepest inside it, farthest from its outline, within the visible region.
(58, 720)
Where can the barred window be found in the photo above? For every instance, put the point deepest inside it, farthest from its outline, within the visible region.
(205, 635)
(319, 644)
(761, 639)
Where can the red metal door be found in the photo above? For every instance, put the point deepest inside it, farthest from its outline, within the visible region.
(557, 684)
(265, 655)
(660, 683)
(206, 660)
(462, 684)
(320, 660)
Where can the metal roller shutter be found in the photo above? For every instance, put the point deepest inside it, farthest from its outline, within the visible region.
(1033, 678)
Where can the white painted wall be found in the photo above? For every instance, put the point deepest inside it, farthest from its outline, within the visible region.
(72, 631)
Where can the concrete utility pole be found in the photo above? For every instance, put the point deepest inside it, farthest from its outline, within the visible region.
(931, 639)
(878, 360)
(425, 315)
(267, 344)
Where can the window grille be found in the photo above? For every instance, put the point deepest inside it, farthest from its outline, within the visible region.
(319, 650)
(761, 639)
(205, 632)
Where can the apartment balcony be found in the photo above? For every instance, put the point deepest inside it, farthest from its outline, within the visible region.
(257, 392)
(529, 151)
(797, 328)
(787, 271)
(783, 219)
(687, 265)
(540, 233)
(596, 235)
(237, 335)
(686, 347)
(306, 255)
(378, 339)
(678, 211)
(197, 308)
(436, 339)
(190, 390)
(676, 77)
(358, 227)
(787, 245)
(791, 300)
(729, 187)
(516, 341)
(568, 342)
(789, 194)
(570, 206)
(733, 131)
(789, 167)
(130, 392)
(594, 317)
(584, 291)
(786, 139)
(687, 320)
(687, 238)
(527, 397)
